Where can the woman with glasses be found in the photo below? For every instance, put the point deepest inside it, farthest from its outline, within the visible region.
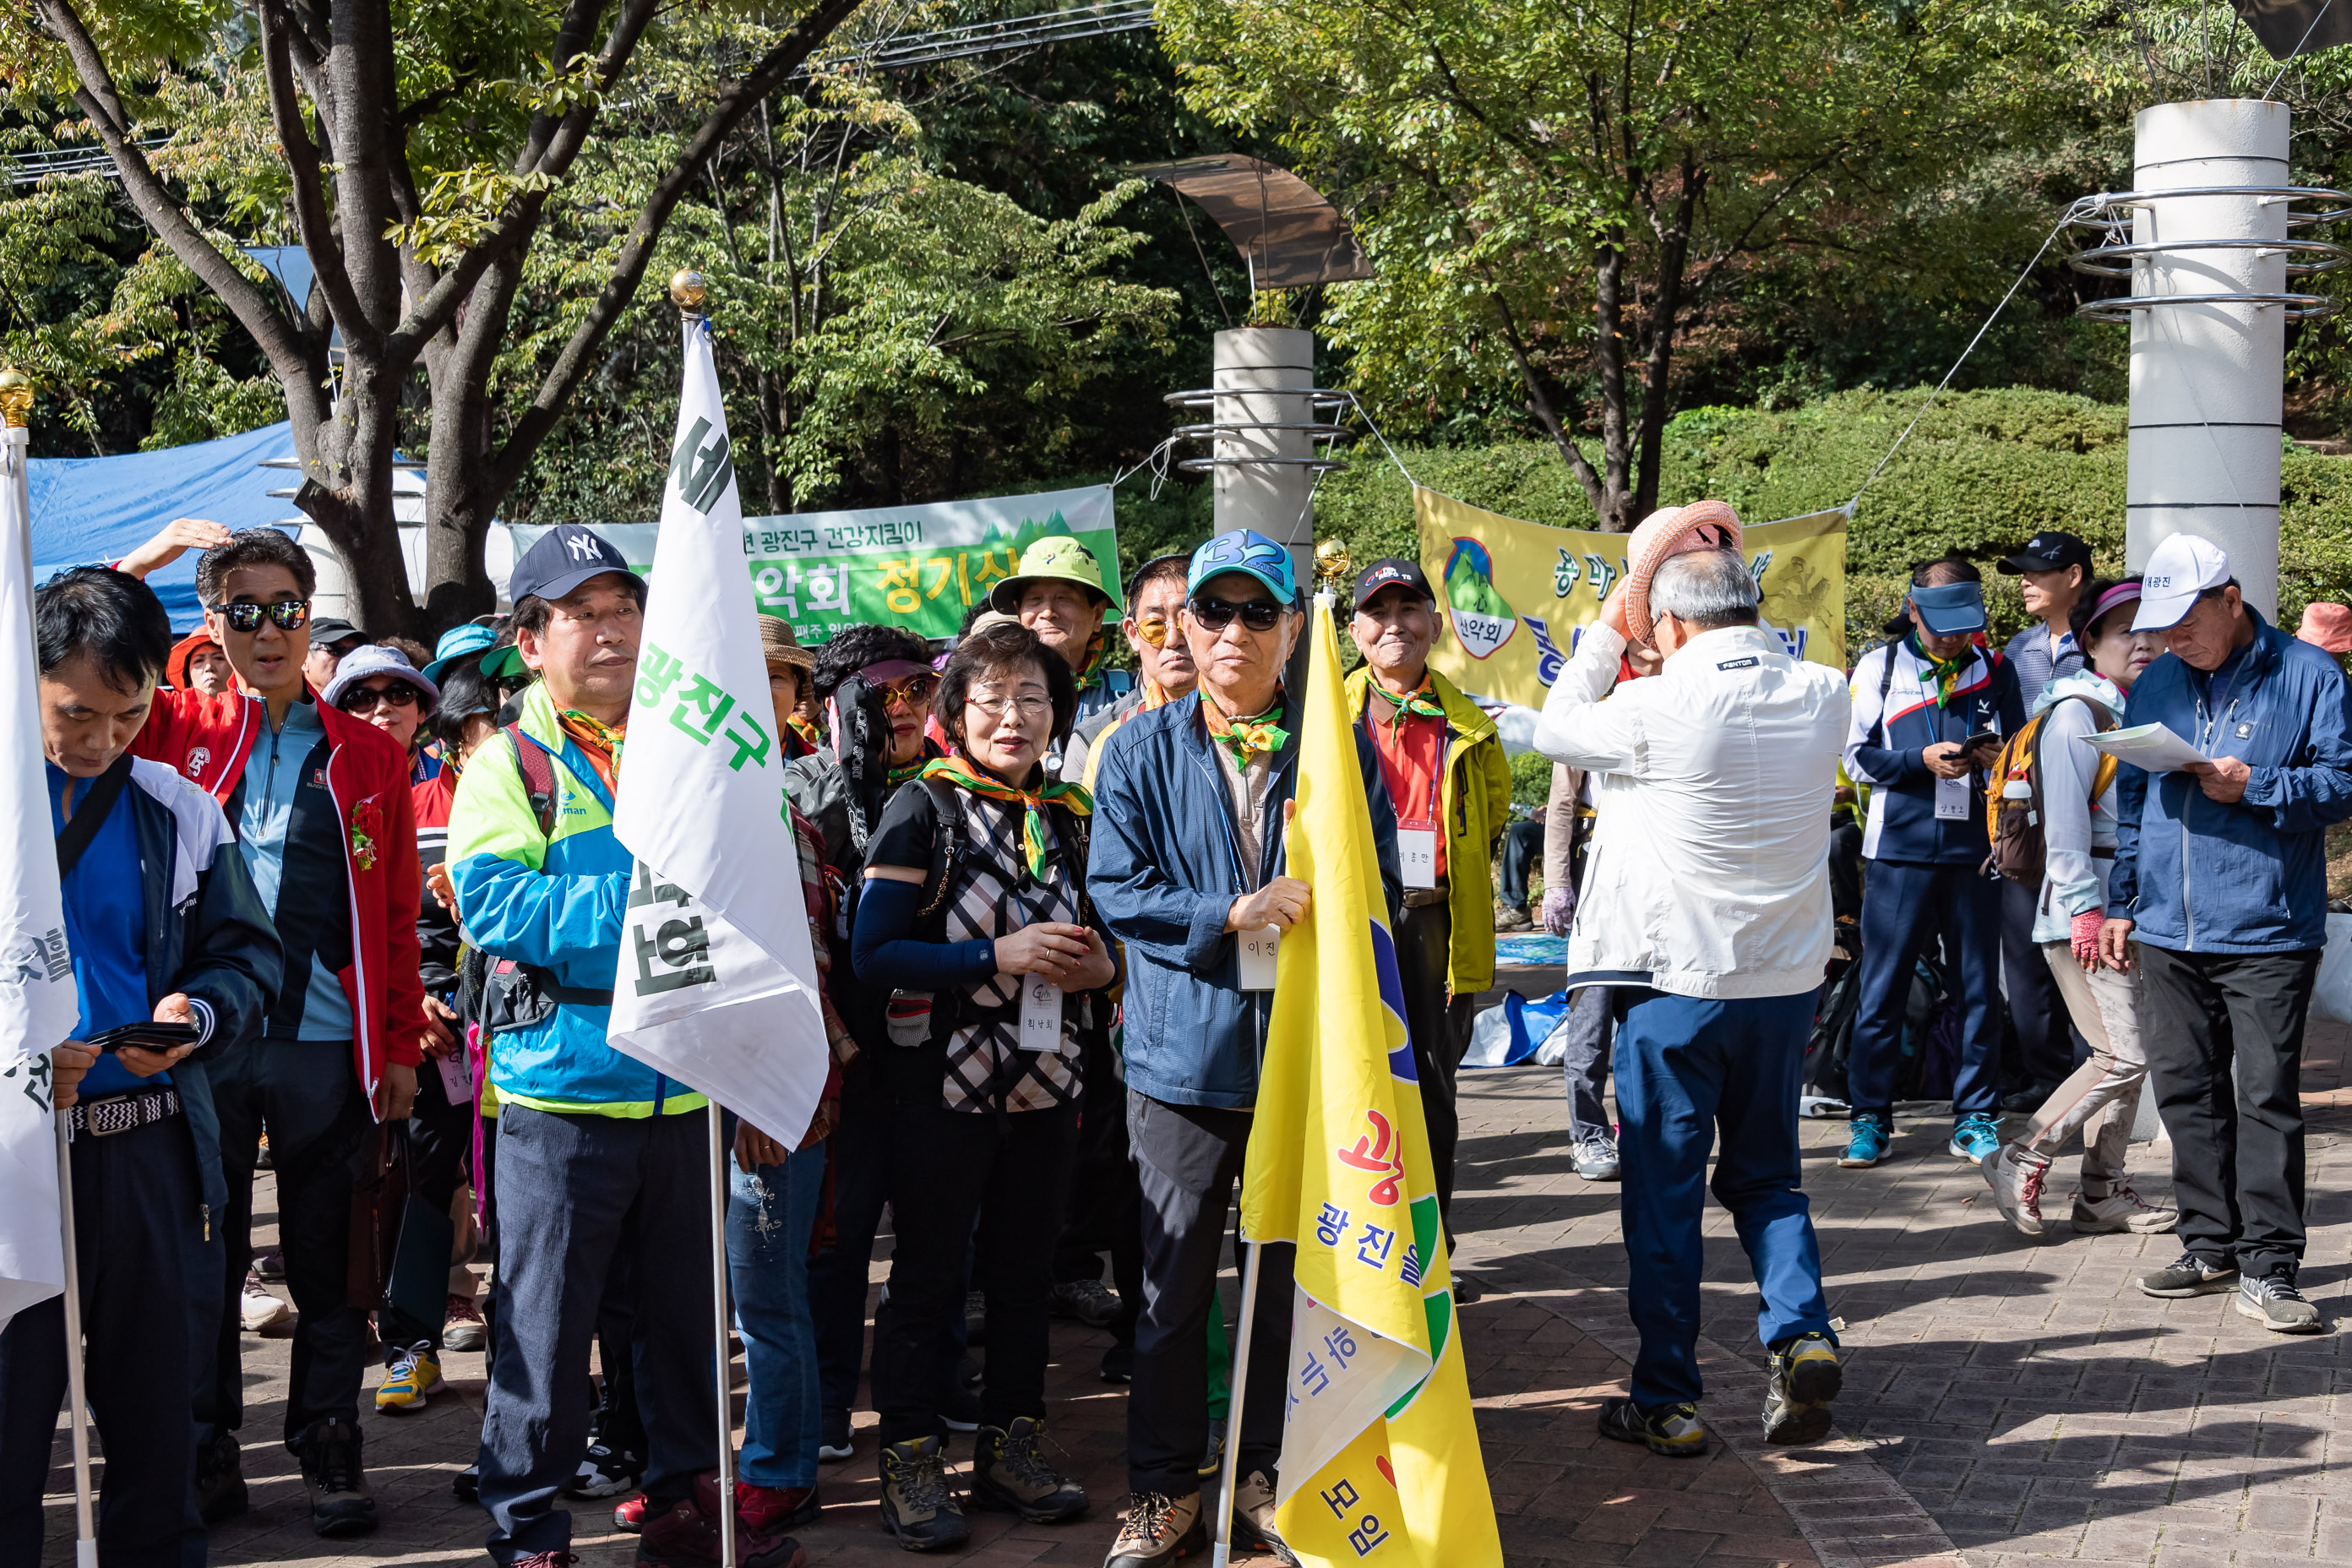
(378, 684)
(974, 918)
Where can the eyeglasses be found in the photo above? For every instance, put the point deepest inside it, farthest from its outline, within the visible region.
(1027, 708)
(362, 698)
(1153, 631)
(245, 615)
(914, 690)
(1216, 615)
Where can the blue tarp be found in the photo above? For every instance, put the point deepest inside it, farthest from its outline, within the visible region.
(90, 511)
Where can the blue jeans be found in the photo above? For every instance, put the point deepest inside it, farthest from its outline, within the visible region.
(1903, 903)
(770, 1213)
(1685, 1066)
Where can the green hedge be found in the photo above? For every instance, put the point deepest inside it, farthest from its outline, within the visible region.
(1982, 472)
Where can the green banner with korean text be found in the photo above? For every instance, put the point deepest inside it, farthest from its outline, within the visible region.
(921, 567)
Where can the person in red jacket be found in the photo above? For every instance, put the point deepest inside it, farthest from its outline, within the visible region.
(321, 806)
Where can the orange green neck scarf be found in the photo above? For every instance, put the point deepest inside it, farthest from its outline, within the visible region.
(1245, 737)
(960, 772)
(1421, 702)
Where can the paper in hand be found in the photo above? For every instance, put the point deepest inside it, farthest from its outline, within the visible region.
(2150, 746)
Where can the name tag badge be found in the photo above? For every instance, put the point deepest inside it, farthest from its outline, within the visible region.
(1258, 950)
(1952, 800)
(1417, 852)
(1041, 1014)
(456, 1080)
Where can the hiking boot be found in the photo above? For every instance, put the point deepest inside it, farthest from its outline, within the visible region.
(770, 1511)
(2121, 1209)
(833, 1441)
(220, 1480)
(414, 1373)
(1090, 1301)
(1158, 1531)
(2188, 1275)
(465, 1486)
(1672, 1430)
(2016, 1177)
(260, 1308)
(340, 1503)
(1119, 1363)
(1509, 917)
(1866, 1139)
(1974, 1137)
(1212, 1455)
(2272, 1300)
(1805, 1377)
(462, 1328)
(605, 1471)
(1254, 1517)
(1596, 1158)
(919, 1507)
(688, 1537)
(269, 1265)
(1009, 1473)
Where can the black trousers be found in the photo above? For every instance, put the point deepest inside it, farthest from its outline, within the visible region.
(138, 1235)
(440, 1138)
(1440, 1031)
(1189, 1157)
(859, 1157)
(2047, 1045)
(1105, 1212)
(305, 1094)
(948, 1170)
(2224, 1037)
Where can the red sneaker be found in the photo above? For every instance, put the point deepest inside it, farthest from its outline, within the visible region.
(685, 1537)
(630, 1517)
(770, 1510)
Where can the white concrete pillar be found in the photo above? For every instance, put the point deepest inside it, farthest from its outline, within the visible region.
(2207, 378)
(1263, 398)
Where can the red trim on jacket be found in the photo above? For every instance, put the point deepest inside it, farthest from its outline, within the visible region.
(207, 739)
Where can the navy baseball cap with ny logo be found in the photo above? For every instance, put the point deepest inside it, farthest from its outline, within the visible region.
(565, 556)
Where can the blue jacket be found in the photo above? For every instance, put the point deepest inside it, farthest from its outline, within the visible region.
(1894, 719)
(2198, 874)
(1165, 869)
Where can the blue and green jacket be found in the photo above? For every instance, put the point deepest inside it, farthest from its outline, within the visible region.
(554, 902)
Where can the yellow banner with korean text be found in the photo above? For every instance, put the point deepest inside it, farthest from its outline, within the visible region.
(1515, 595)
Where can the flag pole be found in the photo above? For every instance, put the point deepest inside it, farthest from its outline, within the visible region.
(76, 1396)
(1239, 1384)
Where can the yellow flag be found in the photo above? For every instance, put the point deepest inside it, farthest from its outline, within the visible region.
(1380, 1454)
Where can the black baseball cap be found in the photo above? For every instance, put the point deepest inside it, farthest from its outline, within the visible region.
(565, 556)
(326, 631)
(1389, 571)
(2048, 551)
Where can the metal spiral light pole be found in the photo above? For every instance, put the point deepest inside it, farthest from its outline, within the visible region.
(1267, 443)
(2211, 237)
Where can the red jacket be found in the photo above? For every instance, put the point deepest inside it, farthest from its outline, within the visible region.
(207, 739)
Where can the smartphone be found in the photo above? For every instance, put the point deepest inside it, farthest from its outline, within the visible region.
(147, 1037)
(1983, 739)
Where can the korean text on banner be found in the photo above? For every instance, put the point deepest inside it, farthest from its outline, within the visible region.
(1380, 1453)
(718, 982)
(38, 1003)
(1516, 594)
(919, 567)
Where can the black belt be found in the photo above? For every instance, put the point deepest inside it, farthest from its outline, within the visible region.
(2107, 854)
(112, 1113)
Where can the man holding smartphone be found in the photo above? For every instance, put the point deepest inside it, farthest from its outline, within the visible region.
(1929, 710)
(174, 959)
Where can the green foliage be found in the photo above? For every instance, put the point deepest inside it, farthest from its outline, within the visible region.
(1530, 780)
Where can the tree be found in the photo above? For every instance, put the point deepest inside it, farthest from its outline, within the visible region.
(416, 152)
(1558, 198)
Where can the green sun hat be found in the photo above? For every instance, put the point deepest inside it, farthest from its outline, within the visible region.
(1057, 558)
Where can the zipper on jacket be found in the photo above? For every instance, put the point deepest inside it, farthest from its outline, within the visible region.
(206, 1212)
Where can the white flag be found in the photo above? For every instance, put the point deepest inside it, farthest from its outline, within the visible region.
(718, 984)
(38, 1003)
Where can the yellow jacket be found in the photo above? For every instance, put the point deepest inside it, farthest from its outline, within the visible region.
(1475, 796)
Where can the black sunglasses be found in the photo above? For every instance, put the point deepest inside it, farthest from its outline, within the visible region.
(245, 615)
(361, 698)
(1216, 615)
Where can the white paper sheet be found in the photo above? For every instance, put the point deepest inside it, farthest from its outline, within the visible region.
(2150, 746)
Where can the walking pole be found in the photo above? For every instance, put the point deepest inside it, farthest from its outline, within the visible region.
(76, 1396)
(718, 1351)
(1239, 1382)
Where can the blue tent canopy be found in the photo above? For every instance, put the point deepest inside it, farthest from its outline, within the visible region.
(89, 510)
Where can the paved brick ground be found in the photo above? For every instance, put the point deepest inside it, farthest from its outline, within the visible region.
(2008, 1399)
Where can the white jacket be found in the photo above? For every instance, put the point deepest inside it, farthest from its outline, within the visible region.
(1708, 874)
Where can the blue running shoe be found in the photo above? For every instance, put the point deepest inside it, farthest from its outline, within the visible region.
(1974, 1136)
(1866, 1143)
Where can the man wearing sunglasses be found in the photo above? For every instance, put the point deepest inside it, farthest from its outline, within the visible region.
(321, 806)
(1187, 862)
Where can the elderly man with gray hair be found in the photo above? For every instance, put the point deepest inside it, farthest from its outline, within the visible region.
(1706, 908)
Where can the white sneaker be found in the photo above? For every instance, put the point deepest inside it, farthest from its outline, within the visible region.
(2121, 1209)
(1596, 1158)
(2015, 1178)
(258, 1309)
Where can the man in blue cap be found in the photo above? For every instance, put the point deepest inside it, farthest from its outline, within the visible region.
(1929, 709)
(1187, 869)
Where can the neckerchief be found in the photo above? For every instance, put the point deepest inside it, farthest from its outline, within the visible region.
(959, 771)
(1154, 696)
(1243, 737)
(600, 740)
(1421, 702)
(1946, 673)
(806, 730)
(895, 776)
